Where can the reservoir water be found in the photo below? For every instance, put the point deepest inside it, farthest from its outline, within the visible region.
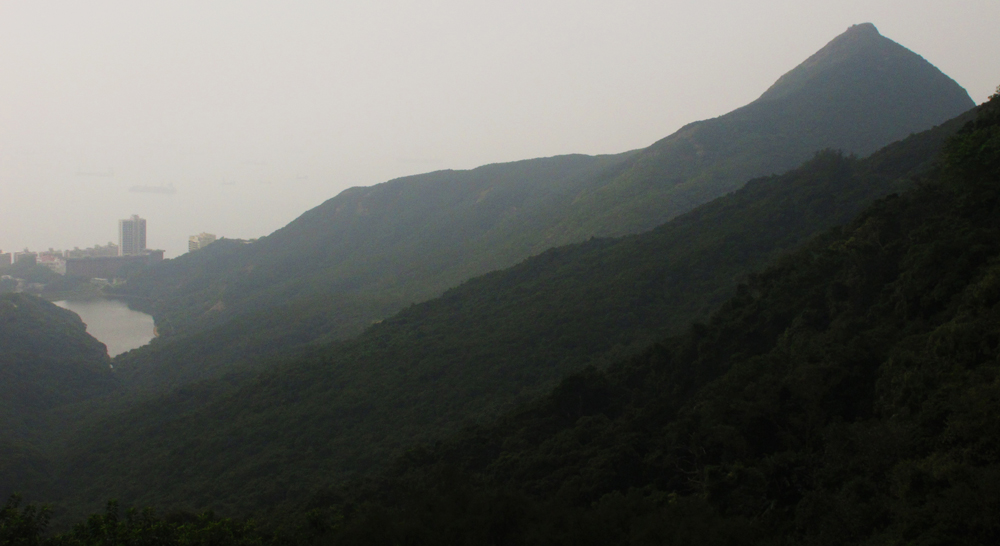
(112, 323)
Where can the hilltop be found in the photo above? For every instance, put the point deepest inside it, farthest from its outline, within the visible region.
(368, 252)
(856, 94)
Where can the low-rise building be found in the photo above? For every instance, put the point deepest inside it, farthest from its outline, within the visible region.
(97, 251)
(110, 267)
(53, 261)
(199, 241)
(26, 257)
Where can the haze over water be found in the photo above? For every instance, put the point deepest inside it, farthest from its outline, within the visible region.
(235, 117)
(112, 323)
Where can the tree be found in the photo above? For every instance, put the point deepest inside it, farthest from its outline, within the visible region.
(22, 527)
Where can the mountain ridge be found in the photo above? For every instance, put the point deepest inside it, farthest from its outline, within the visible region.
(840, 98)
(855, 33)
(438, 229)
(481, 348)
(844, 395)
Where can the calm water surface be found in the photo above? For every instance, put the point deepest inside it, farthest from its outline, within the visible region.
(113, 323)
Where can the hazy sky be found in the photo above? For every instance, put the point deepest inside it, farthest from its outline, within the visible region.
(244, 114)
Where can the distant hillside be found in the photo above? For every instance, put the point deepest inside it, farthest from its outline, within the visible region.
(371, 250)
(368, 252)
(845, 395)
(857, 94)
(639, 286)
(495, 341)
(47, 361)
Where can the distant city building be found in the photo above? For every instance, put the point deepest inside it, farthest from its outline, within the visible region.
(200, 241)
(131, 236)
(53, 260)
(110, 267)
(97, 251)
(110, 261)
(27, 257)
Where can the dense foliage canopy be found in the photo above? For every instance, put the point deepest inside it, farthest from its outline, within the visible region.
(331, 412)
(841, 394)
(47, 362)
(846, 394)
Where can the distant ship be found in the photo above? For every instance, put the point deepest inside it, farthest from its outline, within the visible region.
(106, 174)
(163, 190)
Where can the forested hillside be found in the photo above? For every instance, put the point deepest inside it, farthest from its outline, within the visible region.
(47, 361)
(597, 296)
(842, 97)
(368, 252)
(343, 409)
(846, 395)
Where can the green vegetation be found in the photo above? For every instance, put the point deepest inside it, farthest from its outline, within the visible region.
(369, 252)
(842, 394)
(54, 285)
(48, 359)
(579, 301)
(67, 288)
(839, 98)
(845, 395)
(27, 526)
(47, 362)
(29, 273)
(329, 412)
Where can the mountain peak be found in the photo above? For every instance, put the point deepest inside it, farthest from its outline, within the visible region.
(859, 50)
(855, 38)
(862, 28)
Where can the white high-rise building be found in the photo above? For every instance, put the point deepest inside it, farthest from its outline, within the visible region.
(131, 236)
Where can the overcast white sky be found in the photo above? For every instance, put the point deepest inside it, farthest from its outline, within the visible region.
(252, 112)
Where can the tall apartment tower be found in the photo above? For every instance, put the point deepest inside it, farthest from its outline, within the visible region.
(131, 236)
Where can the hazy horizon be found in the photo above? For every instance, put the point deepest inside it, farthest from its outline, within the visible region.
(235, 117)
